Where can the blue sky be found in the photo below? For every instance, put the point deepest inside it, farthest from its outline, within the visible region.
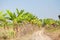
(40, 8)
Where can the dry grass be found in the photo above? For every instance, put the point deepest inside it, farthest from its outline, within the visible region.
(54, 33)
(24, 32)
(18, 32)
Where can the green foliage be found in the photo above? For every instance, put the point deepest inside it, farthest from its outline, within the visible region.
(36, 21)
(13, 17)
(19, 12)
(58, 22)
(3, 19)
(27, 16)
(49, 21)
(20, 16)
(2, 16)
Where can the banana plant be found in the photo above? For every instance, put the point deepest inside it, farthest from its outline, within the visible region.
(19, 12)
(21, 16)
(3, 19)
(24, 16)
(36, 21)
(49, 22)
(31, 18)
(13, 16)
(2, 16)
(28, 16)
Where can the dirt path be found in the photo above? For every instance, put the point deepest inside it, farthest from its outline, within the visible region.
(40, 35)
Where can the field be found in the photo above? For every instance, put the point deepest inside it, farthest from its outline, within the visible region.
(20, 25)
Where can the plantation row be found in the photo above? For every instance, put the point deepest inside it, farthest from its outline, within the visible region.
(18, 17)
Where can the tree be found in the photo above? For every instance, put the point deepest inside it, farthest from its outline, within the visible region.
(59, 16)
